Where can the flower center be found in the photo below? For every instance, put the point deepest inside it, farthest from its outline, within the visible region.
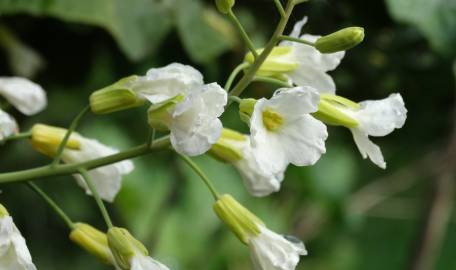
(272, 120)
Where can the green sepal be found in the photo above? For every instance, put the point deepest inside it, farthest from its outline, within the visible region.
(92, 240)
(331, 111)
(159, 116)
(116, 97)
(243, 223)
(124, 246)
(278, 62)
(341, 40)
(227, 148)
(3, 211)
(246, 107)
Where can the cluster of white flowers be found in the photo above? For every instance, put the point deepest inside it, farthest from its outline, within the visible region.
(288, 128)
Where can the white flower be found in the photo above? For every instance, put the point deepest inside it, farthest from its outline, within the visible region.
(26, 96)
(271, 251)
(311, 64)
(283, 131)
(163, 83)
(107, 180)
(8, 125)
(376, 118)
(194, 122)
(14, 254)
(143, 262)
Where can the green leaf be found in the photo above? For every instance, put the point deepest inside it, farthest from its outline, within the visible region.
(200, 38)
(435, 19)
(137, 25)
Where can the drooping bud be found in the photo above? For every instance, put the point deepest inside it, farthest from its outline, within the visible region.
(246, 107)
(341, 40)
(46, 139)
(3, 211)
(116, 97)
(228, 147)
(93, 241)
(159, 115)
(331, 111)
(243, 223)
(279, 62)
(124, 246)
(224, 6)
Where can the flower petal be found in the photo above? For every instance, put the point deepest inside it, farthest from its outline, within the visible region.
(8, 125)
(296, 101)
(381, 117)
(307, 75)
(26, 96)
(163, 83)
(141, 262)
(367, 148)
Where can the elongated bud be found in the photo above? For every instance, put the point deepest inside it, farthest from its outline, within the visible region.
(246, 108)
(341, 40)
(224, 6)
(159, 115)
(279, 62)
(3, 211)
(93, 241)
(116, 97)
(124, 246)
(239, 219)
(46, 139)
(332, 111)
(228, 147)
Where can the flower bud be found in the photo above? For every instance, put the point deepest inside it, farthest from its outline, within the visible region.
(159, 115)
(3, 211)
(116, 97)
(280, 61)
(246, 109)
(228, 146)
(93, 241)
(341, 40)
(239, 219)
(224, 6)
(124, 247)
(46, 139)
(330, 111)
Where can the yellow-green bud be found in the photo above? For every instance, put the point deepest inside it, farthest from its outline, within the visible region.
(243, 223)
(228, 147)
(3, 211)
(124, 246)
(279, 62)
(341, 40)
(46, 139)
(116, 97)
(330, 111)
(246, 107)
(224, 6)
(158, 114)
(93, 241)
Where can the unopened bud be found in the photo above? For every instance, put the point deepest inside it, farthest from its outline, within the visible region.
(46, 139)
(93, 241)
(243, 223)
(116, 97)
(124, 246)
(228, 147)
(224, 6)
(341, 40)
(246, 107)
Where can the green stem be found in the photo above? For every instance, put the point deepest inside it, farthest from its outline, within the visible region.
(70, 130)
(298, 40)
(243, 33)
(233, 75)
(151, 137)
(96, 196)
(280, 8)
(65, 169)
(271, 80)
(249, 75)
(52, 204)
(18, 136)
(235, 99)
(201, 174)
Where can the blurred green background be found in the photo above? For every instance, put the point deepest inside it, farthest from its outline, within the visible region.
(351, 214)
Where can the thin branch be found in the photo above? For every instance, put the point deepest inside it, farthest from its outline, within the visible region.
(243, 33)
(280, 8)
